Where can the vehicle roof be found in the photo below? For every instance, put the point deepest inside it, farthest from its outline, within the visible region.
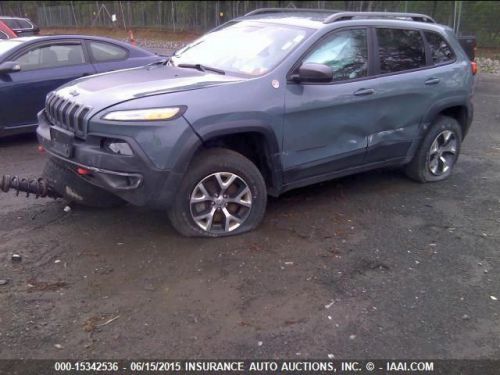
(13, 18)
(315, 20)
(67, 36)
(304, 19)
(42, 38)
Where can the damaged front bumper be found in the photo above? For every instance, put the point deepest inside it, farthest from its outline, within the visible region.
(131, 177)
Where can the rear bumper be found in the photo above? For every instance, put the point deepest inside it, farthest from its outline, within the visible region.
(133, 178)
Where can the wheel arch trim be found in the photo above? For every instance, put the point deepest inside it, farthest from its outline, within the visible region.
(238, 127)
(440, 106)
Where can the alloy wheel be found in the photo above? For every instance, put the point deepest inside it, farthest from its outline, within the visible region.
(220, 202)
(442, 153)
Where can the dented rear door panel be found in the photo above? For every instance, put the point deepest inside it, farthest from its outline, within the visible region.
(396, 121)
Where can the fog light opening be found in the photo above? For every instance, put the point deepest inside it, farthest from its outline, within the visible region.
(117, 146)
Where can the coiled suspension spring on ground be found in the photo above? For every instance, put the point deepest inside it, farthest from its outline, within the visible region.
(36, 186)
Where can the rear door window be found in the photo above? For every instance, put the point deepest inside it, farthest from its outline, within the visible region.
(441, 51)
(400, 50)
(102, 52)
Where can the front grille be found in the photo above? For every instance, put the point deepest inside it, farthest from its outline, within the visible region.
(66, 114)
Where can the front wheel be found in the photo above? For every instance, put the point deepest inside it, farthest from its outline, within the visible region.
(223, 193)
(438, 152)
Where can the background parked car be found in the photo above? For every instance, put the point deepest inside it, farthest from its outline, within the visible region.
(21, 26)
(469, 44)
(6, 32)
(31, 67)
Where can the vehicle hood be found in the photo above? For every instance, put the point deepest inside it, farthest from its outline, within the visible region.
(104, 90)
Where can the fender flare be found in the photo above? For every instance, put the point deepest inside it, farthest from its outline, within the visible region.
(432, 113)
(441, 105)
(224, 128)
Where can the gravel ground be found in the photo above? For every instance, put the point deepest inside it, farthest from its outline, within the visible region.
(488, 65)
(369, 266)
(160, 47)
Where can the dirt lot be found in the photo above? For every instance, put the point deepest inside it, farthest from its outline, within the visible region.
(119, 33)
(369, 266)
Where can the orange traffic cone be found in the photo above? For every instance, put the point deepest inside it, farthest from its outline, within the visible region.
(131, 38)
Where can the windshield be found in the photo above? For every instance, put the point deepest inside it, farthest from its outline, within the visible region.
(245, 47)
(7, 45)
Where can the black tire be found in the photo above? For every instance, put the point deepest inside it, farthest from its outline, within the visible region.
(419, 169)
(76, 190)
(207, 163)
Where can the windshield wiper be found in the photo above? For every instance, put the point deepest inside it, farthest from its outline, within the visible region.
(202, 68)
(159, 62)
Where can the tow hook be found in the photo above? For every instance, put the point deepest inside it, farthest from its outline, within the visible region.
(39, 187)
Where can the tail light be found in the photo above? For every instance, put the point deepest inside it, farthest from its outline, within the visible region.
(473, 66)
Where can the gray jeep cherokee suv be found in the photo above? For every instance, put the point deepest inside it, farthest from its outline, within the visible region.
(268, 102)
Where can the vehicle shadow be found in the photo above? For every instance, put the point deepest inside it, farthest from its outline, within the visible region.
(17, 140)
(313, 202)
(371, 182)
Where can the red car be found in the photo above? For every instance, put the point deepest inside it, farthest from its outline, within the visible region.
(6, 32)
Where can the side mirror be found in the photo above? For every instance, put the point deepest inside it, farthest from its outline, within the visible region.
(9, 67)
(312, 72)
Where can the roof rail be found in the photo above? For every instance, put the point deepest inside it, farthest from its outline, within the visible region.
(342, 16)
(288, 10)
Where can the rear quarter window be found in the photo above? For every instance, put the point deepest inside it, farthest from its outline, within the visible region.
(24, 24)
(400, 50)
(441, 51)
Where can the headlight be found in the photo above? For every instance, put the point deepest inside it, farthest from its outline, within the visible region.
(152, 114)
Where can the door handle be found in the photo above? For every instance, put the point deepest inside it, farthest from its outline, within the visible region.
(432, 81)
(364, 92)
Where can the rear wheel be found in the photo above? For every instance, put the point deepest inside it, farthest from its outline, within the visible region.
(74, 189)
(438, 152)
(223, 193)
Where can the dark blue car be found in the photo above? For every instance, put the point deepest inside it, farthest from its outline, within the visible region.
(31, 67)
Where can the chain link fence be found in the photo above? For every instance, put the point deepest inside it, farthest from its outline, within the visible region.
(479, 18)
